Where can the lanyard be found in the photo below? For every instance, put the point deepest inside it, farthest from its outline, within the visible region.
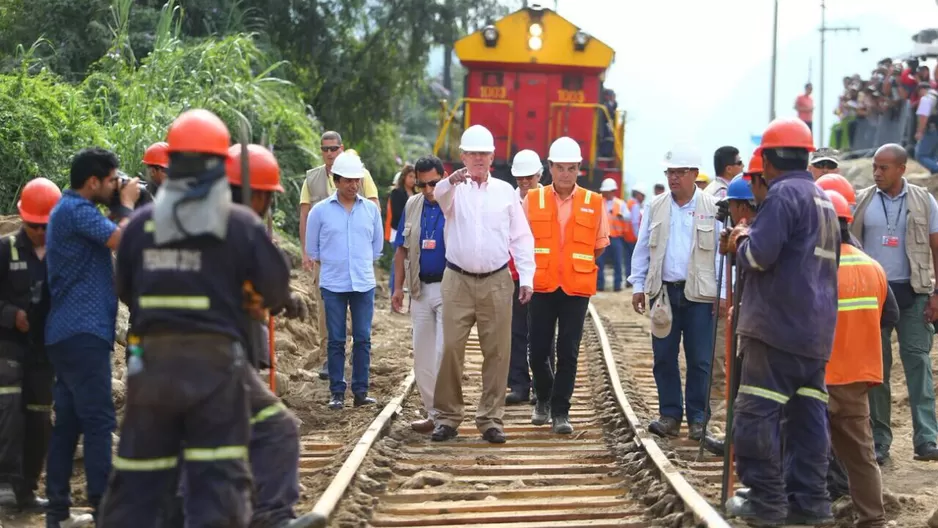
(428, 234)
(891, 229)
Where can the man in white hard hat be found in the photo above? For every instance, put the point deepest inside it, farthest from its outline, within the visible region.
(620, 227)
(639, 193)
(674, 271)
(570, 232)
(485, 227)
(335, 229)
(526, 168)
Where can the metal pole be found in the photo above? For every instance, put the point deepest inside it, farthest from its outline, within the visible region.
(823, 31)
(774, 62)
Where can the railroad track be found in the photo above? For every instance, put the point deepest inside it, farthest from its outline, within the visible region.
(633, 355)
(609, 473)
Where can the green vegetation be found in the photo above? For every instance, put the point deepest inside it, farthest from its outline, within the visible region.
(115, 73)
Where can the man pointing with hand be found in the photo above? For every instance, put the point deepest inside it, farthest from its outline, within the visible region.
(484, 222)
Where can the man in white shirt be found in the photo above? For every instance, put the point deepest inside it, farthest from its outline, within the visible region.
(485, 227)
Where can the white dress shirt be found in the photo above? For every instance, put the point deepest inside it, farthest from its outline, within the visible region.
(484, 223)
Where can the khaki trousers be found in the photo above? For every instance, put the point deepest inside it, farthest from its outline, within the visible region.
(486, 303)
(316, 294)
(852, 438)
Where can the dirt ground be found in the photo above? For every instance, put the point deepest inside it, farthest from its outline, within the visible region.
(298, 361)
(910, 487)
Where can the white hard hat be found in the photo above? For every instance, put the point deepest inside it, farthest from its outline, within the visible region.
(682, 156)
(565, 150)
(477, 138)
(396, 177)
(348, 166)
(608, 185)
(526, 163)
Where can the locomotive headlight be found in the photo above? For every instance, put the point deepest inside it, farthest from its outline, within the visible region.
(535, 43)
(580, 40)
(535, 30)
(490, 35)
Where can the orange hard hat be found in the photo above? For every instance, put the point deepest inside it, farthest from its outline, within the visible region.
(840, 205)
(836, 182)
(265, 172)
(157, 154)
(38, 198)
(755, 165)
(199, 131)
(786, 132)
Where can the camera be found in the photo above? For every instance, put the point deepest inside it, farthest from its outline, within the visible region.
(723, 210)
(122, 180)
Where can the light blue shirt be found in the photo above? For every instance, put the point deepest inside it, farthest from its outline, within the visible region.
(346, 243)
(893, 259)
(678, 251)
(636, 217)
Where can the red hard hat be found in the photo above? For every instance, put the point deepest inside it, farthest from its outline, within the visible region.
(265, 172)
(755, 164)
(840, 205)
(786, 132)
(38, 198)
(157, 154)
(199, 131)
(836, 182)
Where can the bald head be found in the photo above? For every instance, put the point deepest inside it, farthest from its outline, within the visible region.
(894, 153)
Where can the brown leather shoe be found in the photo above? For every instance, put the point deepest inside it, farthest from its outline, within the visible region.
(422, 426)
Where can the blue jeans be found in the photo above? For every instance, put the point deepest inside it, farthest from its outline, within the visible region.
(627, 257)
(362, 307)
(694, 321)
(615, 254)
(926, 151)
(83, 405)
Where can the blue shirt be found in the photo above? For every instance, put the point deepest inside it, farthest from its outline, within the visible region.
(81, 271)
(432, 261)
(789, 265)
(346, 243)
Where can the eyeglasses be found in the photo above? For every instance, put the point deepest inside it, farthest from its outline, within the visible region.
(738, 162)
(676, 173)
(37, 227)
(421, 185)
(330, 149)
(825, 165)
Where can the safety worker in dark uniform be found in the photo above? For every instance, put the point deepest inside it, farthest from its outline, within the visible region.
(156, 159)
(180, 268)
(26, 375)
(787, 317)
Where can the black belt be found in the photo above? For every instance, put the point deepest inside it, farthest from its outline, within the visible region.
(677, 284)
(457, 269)
(430, 279)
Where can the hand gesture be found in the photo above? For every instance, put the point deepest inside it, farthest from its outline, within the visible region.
(459, 176)
(130, 192)
(740, 230)
(525, 294)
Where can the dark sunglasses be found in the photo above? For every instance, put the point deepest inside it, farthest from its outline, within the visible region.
(421, 185)
(738, 162)
(826, 165)
(330, 149)
(37, 227)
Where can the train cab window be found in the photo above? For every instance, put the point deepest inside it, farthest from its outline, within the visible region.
(572, 82)
(492, 79)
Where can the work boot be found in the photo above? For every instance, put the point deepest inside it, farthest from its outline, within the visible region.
(337, 402)
(714, 445)
(362, 399)
(422, 426)
(665, 426)
(695, 431)
(305, 521)
(562, 425)
(75, 520)
(809, 518)
(926, 451)
(743, 493)
(739, 507)
(541, 413)
(31, 503)
(882, 453)
(7, 495)
(324, 371)
(443, 433)
(493, 436)
(515, 397)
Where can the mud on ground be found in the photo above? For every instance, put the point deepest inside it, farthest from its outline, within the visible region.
(910, 487)
(298, 362)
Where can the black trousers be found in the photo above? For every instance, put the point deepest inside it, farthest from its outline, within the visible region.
(519, 377)
(567, 313)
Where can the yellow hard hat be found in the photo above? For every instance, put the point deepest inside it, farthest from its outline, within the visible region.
(701, 177)
(352, 151)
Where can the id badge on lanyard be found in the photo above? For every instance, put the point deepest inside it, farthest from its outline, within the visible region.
(890, 239)
(428, 244)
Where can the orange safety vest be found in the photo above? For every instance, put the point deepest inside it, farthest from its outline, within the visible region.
(620, 220)
(858, 351)
(573, 266)
(387, 222)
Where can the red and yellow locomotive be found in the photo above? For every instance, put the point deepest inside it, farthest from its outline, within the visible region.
(532, 77)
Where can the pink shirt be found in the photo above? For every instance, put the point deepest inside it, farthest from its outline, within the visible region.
(805, 107)
(485, 226)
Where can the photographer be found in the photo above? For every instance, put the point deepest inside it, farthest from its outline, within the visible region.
(123, 180)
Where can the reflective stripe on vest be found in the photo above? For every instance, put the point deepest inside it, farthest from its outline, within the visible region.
(14, 253)
(214, 454)
(857, 303)
(180, 302)
(12, 389)
(781, 398)
(38, 408)
(268, 412)
(145, 464)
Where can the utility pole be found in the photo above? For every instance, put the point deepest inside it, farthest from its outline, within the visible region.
(824, 29)
(774, 62)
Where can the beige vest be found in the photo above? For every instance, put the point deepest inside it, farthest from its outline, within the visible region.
(317, 183)
(917, 247)
(701, 283)
(715, 186)
(412, 214)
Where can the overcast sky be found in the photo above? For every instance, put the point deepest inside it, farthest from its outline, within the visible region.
(699, 70)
